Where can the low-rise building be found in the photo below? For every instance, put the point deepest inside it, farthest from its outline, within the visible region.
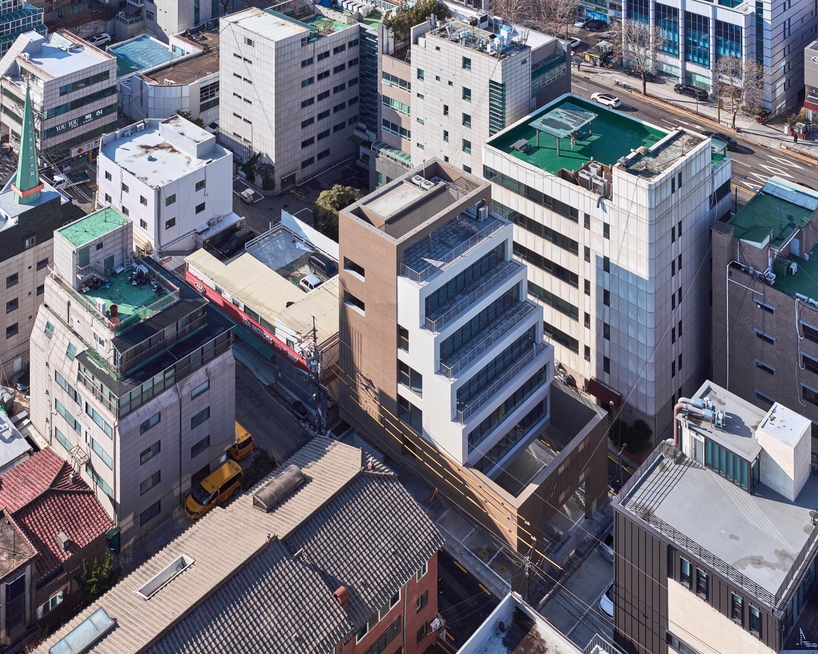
(612, 216)
(132, 374)
(442, 356)
(329, 553)
(51, 523)
(73, 89)
(765, 300)
(30, 212)
(170, 177)
(187, 84)
(715, 534)
(261, 290)
(14, 448)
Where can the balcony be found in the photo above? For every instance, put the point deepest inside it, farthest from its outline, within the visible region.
(500, 328)
(447, 245)
(465, 411)
(472, 294)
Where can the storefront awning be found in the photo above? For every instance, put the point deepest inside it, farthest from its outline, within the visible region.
(603, 393)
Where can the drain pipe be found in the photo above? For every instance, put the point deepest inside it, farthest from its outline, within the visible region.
(687, 405)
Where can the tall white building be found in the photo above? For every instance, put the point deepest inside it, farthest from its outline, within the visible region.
(289, 89)
(460, 82)
(698, 32)
(73, 91)
(164, 19)
(170, 177)
(612, 216)
(132, 374)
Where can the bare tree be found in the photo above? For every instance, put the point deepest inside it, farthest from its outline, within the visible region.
(638, 44)
(740, 82)
(555, 16)
(514, 11)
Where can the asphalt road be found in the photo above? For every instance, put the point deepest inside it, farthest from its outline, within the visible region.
(752, 164)
(462, 601)
(618, 475)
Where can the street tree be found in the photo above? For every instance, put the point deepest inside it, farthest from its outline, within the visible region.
(325, 209)
(555, 16)
(740, 81)
(514, 11)
(637, 45)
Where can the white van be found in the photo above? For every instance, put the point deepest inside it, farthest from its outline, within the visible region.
(310, 282)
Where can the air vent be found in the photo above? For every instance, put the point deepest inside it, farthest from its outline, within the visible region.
(279, 488)
(167, 575)
(342, 597)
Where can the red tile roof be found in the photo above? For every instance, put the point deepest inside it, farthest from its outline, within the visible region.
(45, 501)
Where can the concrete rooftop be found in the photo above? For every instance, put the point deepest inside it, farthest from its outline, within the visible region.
(760, 534)
(51, 55)
(612, 135)
(194, 68)
(93, 226)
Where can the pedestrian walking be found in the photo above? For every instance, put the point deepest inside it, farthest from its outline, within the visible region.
(794, 137)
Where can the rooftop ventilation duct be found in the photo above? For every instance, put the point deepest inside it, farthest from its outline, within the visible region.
(342, 597)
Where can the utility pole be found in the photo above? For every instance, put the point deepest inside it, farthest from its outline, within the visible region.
(314, 365)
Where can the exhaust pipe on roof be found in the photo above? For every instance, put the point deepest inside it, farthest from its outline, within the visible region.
(687, 405)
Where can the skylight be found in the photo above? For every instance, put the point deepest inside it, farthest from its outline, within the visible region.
(86, 634)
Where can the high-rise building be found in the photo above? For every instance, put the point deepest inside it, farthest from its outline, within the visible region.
(697, 33)
(73, 90)
(164, 19)
(715, 535)
(289, 89)
(612, 217)
(132, 373)
(18, 17)
(442, 357)
(30, 211)
(450, 85)
(765, 300)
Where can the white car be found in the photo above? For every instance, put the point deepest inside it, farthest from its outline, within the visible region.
(574, 43)
(581, 22)
(100, 39)
(606, 602)
(606, 99)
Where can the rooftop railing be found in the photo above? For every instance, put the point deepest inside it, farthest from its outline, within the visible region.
(420, 276)
(466, 410)
(493, 279)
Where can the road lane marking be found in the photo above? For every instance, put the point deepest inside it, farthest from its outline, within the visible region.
(787, 162)
(460, 566)
(485, 589)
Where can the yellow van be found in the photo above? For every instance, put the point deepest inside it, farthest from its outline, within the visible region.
(243, 445)
(214, 489)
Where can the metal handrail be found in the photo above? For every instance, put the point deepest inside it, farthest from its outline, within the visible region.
(421, 276)
(498, 331)
(463, 413)
(644, 513)
(497, 275)
(600, 645)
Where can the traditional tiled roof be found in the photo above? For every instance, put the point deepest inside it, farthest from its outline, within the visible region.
(265, 581)
(45, 500)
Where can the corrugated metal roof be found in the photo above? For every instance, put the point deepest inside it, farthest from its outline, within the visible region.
(249, 587)
(322, 303)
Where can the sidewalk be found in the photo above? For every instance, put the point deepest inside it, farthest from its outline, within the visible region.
(662, 94)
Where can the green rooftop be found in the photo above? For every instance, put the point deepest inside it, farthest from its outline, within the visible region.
(803, 282)
(609, 137)
(93, 226)
(766, 215)
(130, 300)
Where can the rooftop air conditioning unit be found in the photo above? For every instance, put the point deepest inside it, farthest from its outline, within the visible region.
(101, 305)
(417, 180)
(140, 127)
(426, 185)
(483, 213)
(599, 186)
(585, 179)
(25, 55)
(793, 268)
(595, 169)
(127, 134)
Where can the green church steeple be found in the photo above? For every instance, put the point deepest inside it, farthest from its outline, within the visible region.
(27, 185)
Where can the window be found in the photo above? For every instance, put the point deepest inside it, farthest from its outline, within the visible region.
(307, 162)
(763, 366)
(107, 198)
(587, 221)
(351, 301)
(422, 572)
(445, 135)
(765, 337)
(11, 305)
(71, 352)
(606, 264)
(466, 63)
(587, 320)
(466, 94)
(12, 280)
(353, 43)
(200, 207)
(410, 378)
(42, 263)
(150, 482)
(323, 135)
(466, 146)
(323, 55)
(323, 95)
(340, 68)
(11, 330)
(764, 307)
(339, 107)
(200, 447)
(62, 382)
(68, 417)
(701, 583)
(410, 414)
(445, 110)
(755, 621)
(307, 82)
(422, 601)
(587, 353)
(104, 426)
(420, 74)
(684, 574)
(606, 298)
(422, 632)
(737, 609)
(200, 417)
(170, 200)
(53, 602)
(150, 513)
(323, 75)
(150, 422)
(466, 120)
(108, 175)
(31, 241)
(41, 289)
(606, 331)
(587, 287)
(307, 142)
(62, 440)
(339, 48)
(467, 168)
(606, 365)
(351, 266)
(307, 122)
(403, 339)
(125, 188)
(606, 230)
(102, 454)
(143, 224)
(339, 87)
(323, 114)
(151, 452)
(201, 388)
(143, 200)
(323, 154)
(307, 62)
